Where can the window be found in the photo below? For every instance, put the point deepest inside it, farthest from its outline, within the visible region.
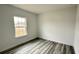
(20, 26)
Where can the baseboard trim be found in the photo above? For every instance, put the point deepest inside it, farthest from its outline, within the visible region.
(3, 52)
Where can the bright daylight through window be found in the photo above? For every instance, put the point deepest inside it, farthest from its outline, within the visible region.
(20, 26)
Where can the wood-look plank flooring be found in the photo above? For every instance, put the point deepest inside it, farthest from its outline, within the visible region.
(41, 46)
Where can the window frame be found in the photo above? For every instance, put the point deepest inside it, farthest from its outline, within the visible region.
(26, 29)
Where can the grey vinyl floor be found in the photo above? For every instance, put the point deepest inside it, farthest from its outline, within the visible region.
(41, 46)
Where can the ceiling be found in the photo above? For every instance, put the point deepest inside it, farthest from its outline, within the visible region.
(42, 8)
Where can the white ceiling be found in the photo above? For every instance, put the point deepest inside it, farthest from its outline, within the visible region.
(42, 8)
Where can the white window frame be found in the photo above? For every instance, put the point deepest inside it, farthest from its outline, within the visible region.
(20, 21)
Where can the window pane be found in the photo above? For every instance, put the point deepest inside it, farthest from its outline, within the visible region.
(20, 26)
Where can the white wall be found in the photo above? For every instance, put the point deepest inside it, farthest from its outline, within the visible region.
(58, 25)
(7, 34)
(76, 41)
